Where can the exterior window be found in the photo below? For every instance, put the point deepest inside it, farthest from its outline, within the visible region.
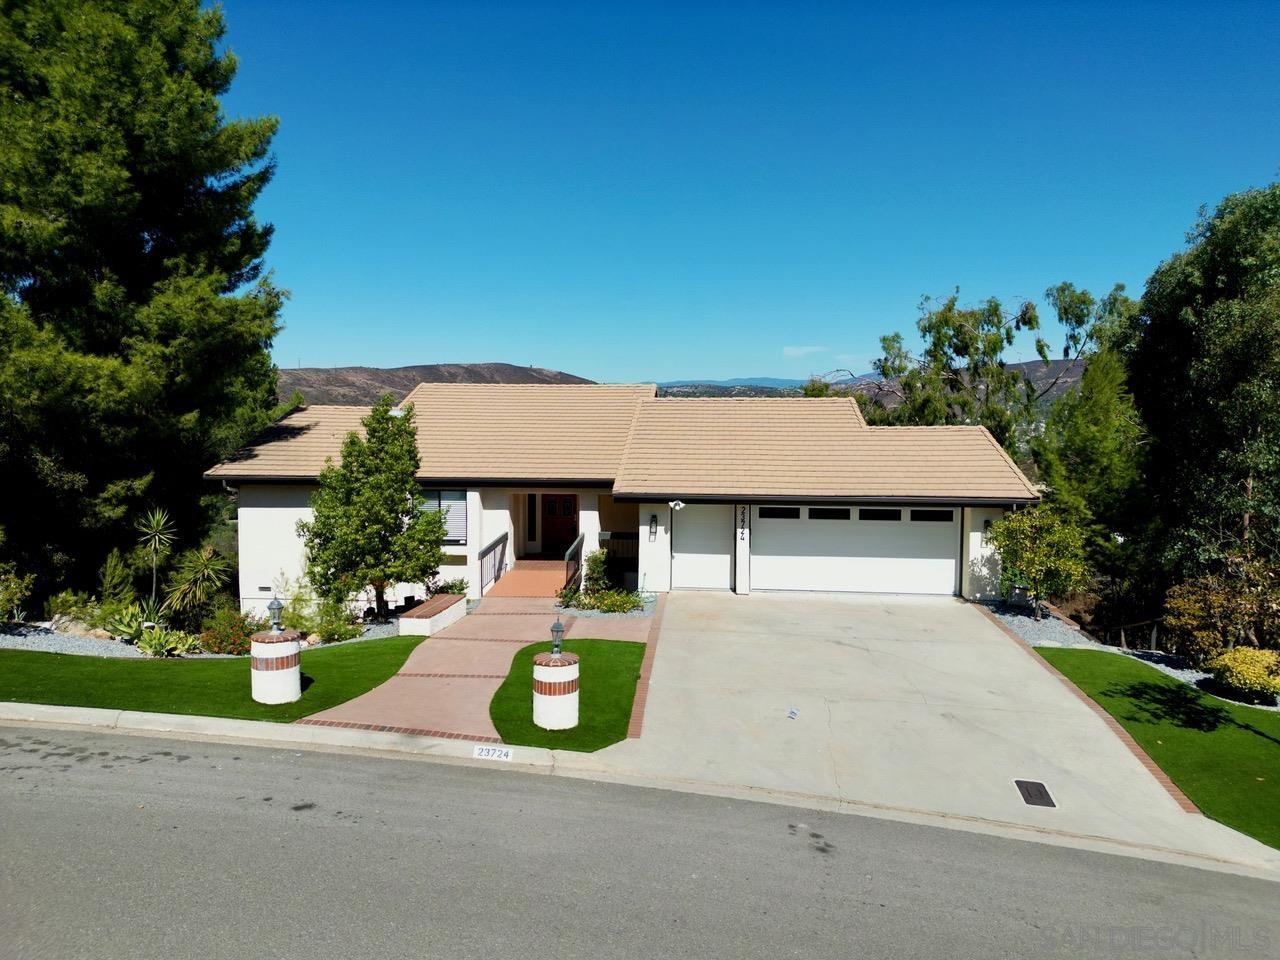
(828, 513)
(779, 513)
(552, 506)
(531, 517)
(453, 504)
(879, 513)
(933, 516)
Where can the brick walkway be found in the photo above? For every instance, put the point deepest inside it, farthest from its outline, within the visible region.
(445, 686)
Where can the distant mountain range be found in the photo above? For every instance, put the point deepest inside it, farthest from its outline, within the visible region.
(360, 386)
(776, 382)
(363, 385)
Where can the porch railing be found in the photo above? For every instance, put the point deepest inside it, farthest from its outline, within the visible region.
(493, 560)
(573, 562)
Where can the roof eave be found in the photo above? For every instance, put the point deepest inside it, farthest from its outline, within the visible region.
(729, 497)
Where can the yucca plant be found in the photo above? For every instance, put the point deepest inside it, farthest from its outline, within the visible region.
(157, 536)
(198, 578)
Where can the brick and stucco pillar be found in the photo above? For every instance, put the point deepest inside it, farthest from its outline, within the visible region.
(555, 691)
(275, 666)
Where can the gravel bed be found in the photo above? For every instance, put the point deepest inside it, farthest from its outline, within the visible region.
(650, 604)
(1052, 632)
(375, 630)
(44, 640)
(27, 636)
(1048, 631)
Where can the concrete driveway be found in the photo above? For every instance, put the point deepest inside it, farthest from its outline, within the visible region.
(916, 707)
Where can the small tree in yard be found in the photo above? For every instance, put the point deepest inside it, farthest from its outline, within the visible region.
(1040, 550)
(371, 525)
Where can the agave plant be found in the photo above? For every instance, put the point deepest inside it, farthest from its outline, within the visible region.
(160, 642)
(128, 624)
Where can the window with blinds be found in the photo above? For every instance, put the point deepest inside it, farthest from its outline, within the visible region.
(453, 503)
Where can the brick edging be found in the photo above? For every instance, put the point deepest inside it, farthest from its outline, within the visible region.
(1112, 723)
(384, 728)
(636, 723)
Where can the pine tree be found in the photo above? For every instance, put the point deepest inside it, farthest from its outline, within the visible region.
(135, 317)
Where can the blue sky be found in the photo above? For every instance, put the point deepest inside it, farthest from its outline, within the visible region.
(637, 192)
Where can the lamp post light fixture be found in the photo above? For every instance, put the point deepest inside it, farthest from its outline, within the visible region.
(275, 608)
(557, 634)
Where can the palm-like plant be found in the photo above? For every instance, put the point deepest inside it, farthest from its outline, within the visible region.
(157, 535)
(199, 576)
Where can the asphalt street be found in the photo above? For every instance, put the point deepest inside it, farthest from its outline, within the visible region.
(113, 846)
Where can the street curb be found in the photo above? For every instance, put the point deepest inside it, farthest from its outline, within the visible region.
(285, 736)
(265, 732)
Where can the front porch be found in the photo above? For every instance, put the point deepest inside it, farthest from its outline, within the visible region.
(534, 541)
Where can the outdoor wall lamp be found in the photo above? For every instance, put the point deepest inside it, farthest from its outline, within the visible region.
(653, 527)
(557, 634)
(275, 608)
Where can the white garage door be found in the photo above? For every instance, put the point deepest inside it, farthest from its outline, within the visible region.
(701, 546)
(867, 549)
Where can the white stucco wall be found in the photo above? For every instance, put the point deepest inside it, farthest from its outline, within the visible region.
(272, 556)
(655, 549)
(979, 565)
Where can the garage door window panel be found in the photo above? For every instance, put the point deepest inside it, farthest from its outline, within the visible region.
(878, 514)
(779, 513)
(829, 513)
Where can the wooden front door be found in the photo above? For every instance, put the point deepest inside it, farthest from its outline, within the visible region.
(559, 522)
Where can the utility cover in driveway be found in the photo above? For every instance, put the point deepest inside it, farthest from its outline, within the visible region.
(1034, 793)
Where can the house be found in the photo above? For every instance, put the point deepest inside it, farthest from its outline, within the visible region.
(685, 494)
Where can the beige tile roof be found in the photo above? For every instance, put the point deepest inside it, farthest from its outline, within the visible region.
(806, 448)
(659, 447)
(295, 447)
(519, 431)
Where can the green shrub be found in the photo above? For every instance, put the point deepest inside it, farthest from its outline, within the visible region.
(115, 582)
(160, 642)
(458, 585)
(606, 601)
(1042, 550)
(333, 622)
(1248, 673)
(596, 579)
(1198, 617)
(14, 589)
(227, 630)
(71, 605)
(299, 611)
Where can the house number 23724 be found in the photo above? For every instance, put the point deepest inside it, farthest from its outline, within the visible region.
(742, 523)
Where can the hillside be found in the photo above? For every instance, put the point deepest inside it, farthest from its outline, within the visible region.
(363, 385)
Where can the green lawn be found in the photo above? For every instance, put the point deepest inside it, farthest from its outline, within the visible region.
(609, 670)
(215, 688)
(1225, 757)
